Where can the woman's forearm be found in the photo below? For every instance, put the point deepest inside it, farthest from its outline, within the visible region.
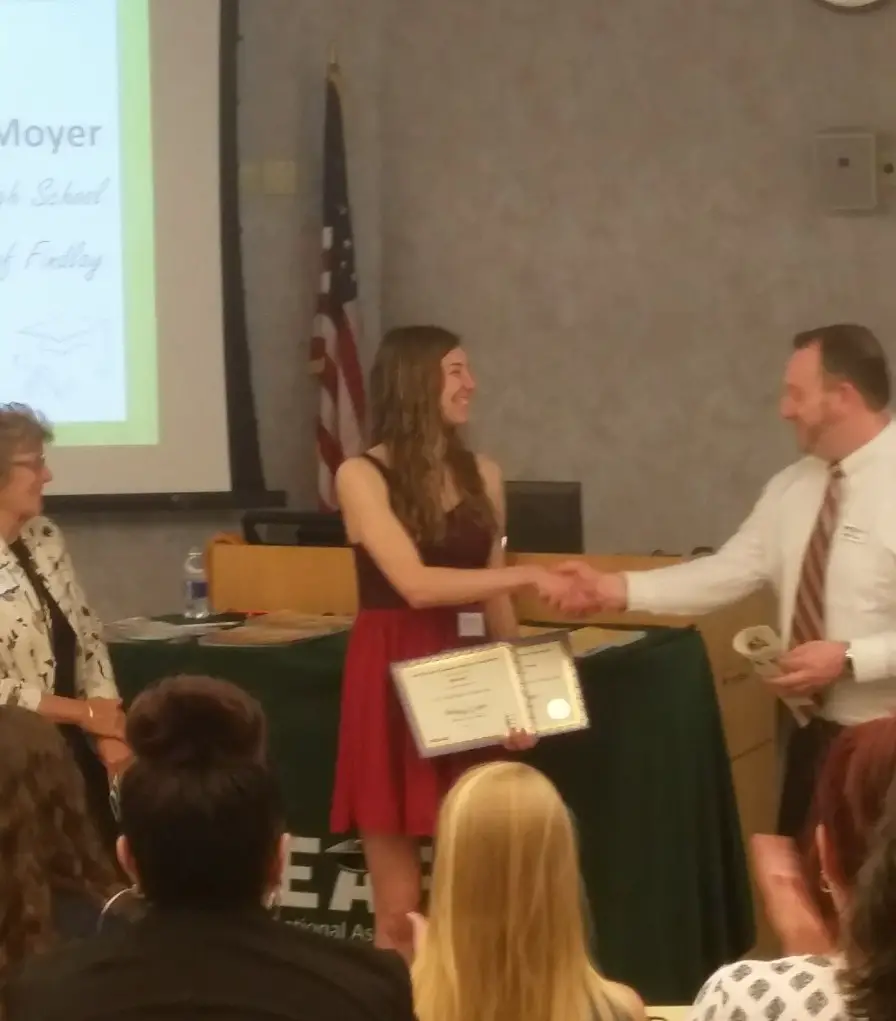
(500, 619)
(447, 586)
(63, 710)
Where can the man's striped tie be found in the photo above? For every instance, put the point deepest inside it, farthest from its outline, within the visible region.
(808, 608)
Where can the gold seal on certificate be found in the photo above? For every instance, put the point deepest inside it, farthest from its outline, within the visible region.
(470, 698)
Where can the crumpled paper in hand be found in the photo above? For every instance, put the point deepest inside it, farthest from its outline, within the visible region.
(762, 646)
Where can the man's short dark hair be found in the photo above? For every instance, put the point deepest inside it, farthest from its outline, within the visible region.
(854, 354)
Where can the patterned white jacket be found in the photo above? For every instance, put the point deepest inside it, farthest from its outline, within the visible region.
(27, 667)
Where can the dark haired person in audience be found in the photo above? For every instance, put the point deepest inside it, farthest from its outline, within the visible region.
(54, 878)
(202, 838)
(823, 534)
(809, 902)
(52, 657)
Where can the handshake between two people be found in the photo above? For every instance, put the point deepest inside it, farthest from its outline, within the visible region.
(576, 588)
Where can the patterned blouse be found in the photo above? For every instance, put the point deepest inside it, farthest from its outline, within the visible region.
(27, 663)
(790, 989)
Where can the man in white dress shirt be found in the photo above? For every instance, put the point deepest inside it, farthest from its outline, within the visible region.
(823, 533)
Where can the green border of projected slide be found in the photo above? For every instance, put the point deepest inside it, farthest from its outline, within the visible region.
(138, 243)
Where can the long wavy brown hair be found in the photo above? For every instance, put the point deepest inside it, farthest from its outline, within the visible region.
(424, 450)
(47, 841)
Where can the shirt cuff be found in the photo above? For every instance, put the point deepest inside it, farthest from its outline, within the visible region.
(637, 587)
(870, 657)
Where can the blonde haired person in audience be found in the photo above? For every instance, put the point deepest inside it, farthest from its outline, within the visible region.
(52, 657)
(506, 936)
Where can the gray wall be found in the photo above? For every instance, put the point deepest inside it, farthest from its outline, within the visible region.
(611, 201)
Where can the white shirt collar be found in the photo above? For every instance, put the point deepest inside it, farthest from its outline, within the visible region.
(884, 442)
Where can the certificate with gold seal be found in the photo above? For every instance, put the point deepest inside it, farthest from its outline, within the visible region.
(550, 681)
(471, 698)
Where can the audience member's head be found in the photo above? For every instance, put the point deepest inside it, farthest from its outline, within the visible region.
(849, 800)
(48, 847)
(201, 821)
(506, 936)
(871, 937)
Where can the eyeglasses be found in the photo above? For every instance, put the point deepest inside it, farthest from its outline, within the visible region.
(36, 463)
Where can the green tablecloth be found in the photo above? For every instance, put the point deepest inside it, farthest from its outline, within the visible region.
(649, 785)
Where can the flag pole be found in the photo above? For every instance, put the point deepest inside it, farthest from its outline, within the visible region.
(317, 365)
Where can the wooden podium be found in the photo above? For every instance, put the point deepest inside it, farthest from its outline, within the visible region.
(255, 579)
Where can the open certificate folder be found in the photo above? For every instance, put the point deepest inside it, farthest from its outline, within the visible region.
(471, 698)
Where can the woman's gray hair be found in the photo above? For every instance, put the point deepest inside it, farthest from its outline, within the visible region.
(21, 430)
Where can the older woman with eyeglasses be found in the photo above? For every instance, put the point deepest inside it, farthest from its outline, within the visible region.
(53, 660)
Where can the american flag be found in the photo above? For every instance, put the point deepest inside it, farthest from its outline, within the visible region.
(337, 325)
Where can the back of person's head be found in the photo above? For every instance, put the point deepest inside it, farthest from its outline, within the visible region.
(47, 842)
(850, 795)
(200, 810)
(506, 937)
(870, 981)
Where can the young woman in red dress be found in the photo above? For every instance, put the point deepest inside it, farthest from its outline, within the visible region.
(425, 517)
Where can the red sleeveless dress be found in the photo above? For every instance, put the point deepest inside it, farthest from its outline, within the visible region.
(382, 785)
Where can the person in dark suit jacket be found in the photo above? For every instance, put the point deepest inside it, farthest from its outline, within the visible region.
(54, 876)
(202, 838)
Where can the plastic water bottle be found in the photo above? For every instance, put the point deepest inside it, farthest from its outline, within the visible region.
(195, 586)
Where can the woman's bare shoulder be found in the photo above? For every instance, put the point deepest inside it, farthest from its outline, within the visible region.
(629, 1000)
(489, 468)
(358, 475)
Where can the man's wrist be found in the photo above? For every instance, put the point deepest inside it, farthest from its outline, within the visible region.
(622, 579)
(849, 666)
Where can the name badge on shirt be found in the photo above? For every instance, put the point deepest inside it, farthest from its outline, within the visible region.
(853, 534)
(471, 625)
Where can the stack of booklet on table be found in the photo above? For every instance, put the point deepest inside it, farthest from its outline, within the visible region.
(586, 641)
(277, 628)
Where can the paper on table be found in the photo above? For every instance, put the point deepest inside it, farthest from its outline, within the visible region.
(585, 641)
(292, 620)
(677, 1013)
(762, 646)
(145, 629)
